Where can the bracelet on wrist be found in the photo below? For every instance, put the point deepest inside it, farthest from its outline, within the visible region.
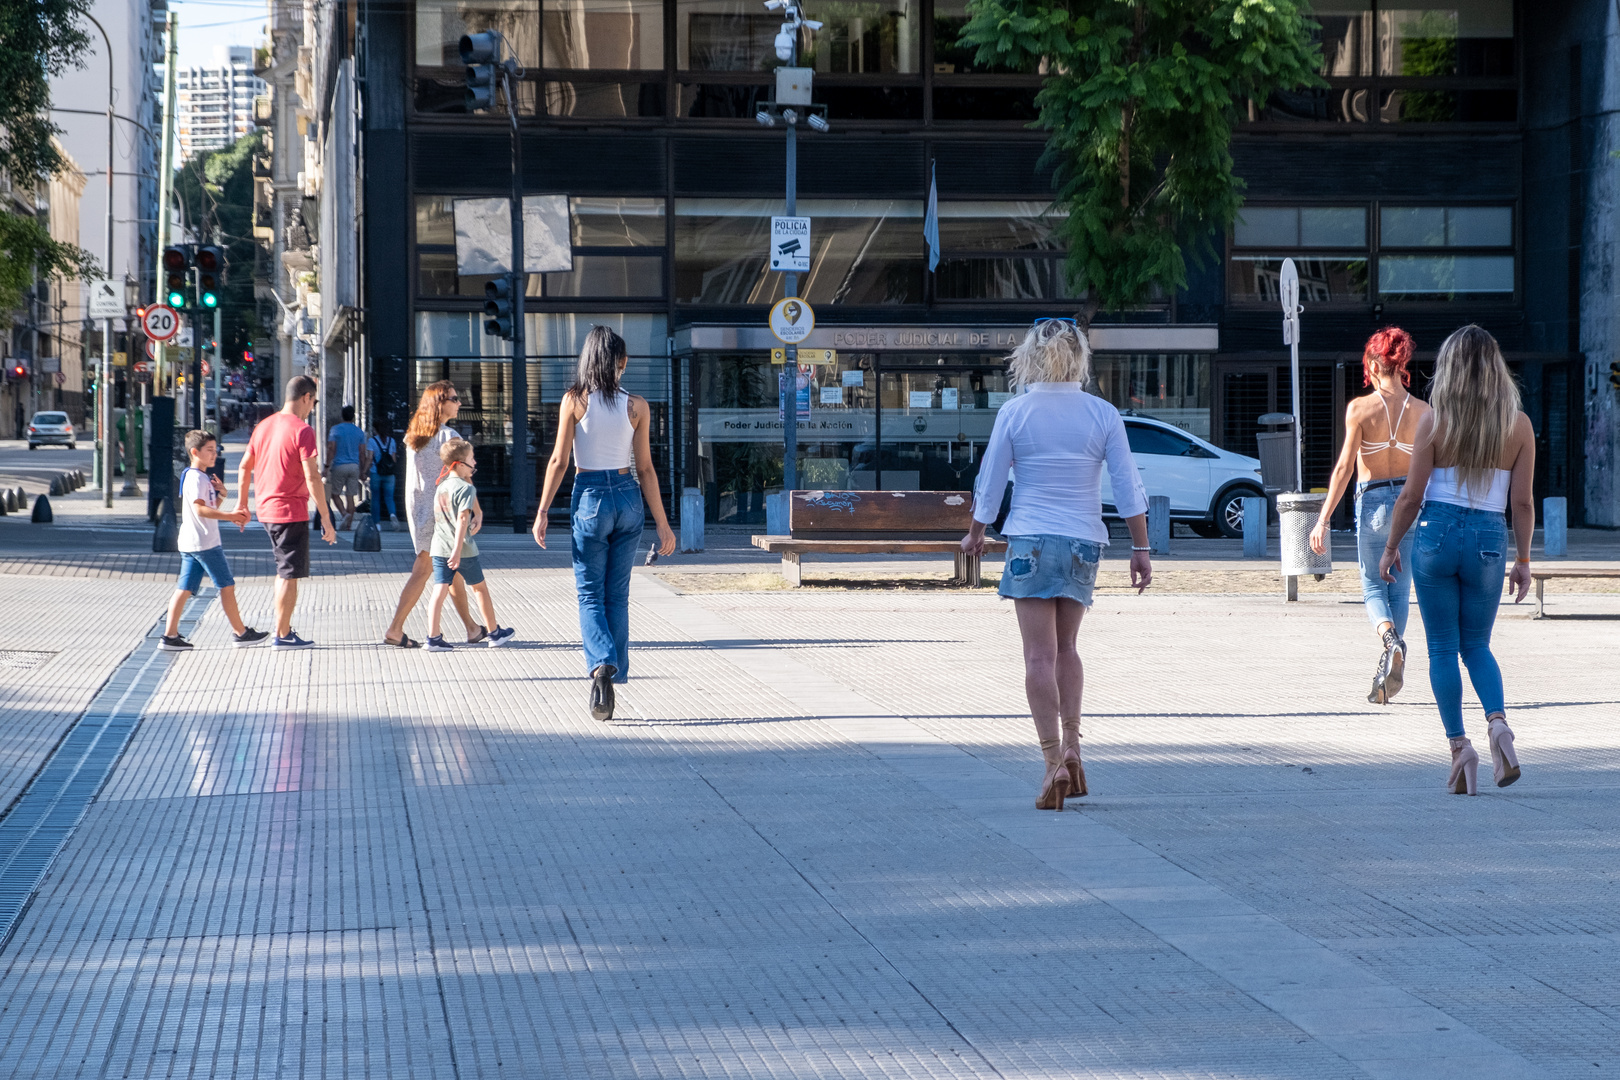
(1135, 548)
(1524, 561)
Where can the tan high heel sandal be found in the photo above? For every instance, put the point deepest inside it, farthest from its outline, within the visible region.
(1464, 778)
(1055, 788)
(1504, 762)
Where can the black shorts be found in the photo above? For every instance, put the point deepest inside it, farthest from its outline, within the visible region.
(290, 541)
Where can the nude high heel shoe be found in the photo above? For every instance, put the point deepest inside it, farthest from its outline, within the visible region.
(1504, 762)
(1055, 788)
(1071, 759)
(1464, 778)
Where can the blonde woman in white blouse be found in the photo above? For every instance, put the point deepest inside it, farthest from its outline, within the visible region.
(1059, 439)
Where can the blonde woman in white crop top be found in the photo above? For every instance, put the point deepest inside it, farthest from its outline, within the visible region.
(606, 431)
(1475, 458)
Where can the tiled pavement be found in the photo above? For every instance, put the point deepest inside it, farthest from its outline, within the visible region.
(805, 848)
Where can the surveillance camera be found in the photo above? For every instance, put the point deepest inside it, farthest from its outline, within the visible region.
(765, 118)
(784, 45)
(790, 116)
(775, 5)
(812, 24)
(817, 122)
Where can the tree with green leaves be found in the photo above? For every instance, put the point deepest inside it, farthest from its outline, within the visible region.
(216, 191)
(38, 39)
(1140, 101)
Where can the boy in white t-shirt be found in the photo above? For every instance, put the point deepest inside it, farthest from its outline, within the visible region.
(201, 550)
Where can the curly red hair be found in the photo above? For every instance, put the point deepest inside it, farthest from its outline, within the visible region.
(1394, 347)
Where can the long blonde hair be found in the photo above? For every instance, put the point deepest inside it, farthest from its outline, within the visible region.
(1054, 350)
(1476, 403)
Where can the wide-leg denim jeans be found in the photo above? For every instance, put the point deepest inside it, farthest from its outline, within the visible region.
(1384, 601)
(607, 530)
(1458, 563)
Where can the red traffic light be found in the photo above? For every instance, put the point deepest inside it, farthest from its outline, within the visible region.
(208, 259)
(18, 371)
(247, 356)
(174, 258)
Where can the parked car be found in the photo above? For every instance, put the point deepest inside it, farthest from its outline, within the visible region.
(1206, 485)
(51, 429)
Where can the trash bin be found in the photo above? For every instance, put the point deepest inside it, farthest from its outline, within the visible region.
(1296, 517)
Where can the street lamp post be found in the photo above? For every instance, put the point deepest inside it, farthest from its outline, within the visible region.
(790, 113)
(104, 398)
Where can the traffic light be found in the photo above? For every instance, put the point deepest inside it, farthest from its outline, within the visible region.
(498, 307)
(479, 52)
(17, 371)
(176, 263)
(1614, 374)
(210, 275)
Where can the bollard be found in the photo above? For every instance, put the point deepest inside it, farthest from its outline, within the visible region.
(11, 501)
(776, 512)
(1555, 527)
(692, 510)
(166, 534)
(42, 511)
(56, 485)
(1254, 528)
(22, 498)
(1159, 524)
(366, 535)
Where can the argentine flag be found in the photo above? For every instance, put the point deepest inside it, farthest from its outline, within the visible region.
(931, 219)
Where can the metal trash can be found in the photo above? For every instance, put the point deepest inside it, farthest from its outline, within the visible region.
(1276, 460)
(1296, 517)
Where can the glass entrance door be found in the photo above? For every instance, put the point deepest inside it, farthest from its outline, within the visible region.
(934, 423)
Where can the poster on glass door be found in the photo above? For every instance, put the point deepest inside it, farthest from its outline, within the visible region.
(802, 411)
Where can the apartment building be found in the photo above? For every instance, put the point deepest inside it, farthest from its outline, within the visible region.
(214, 104)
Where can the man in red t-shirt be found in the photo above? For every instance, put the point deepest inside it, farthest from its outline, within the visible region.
(284, 453)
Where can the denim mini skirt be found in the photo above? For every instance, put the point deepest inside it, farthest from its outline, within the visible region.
(1045, 567)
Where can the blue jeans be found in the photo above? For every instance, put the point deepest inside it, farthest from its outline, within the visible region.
(382, 494)
(607, 530)
(1385, 603)
(1460, 558)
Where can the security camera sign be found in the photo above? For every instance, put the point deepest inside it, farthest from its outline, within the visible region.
(790, 244)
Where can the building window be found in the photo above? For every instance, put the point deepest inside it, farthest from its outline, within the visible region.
(618, 248)
(865, 251)
(1173, 387)
(440, 24)
(1409, 61)
(873, 37)
(1442, 253)
(1424, 254)
(1000, 251)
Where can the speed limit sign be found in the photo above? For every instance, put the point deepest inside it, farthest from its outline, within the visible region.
(160, 323)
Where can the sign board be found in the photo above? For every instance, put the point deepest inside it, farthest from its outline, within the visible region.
(1288, 293)
(790, 244)
(61, 378)
(151, 349)
(808, 357)
(120, 359)
(160, 323)
(50, 365)
(792, 320)
(183, 339)
(208, 369)
(484, 235)
(106, 299)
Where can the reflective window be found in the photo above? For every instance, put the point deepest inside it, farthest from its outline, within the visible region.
(435, 219)
(866, 251)
(1446, 37)
(1448, 106)
(440, 24)
(604, 99)
(949, 57)
(612, 222)
(1252, 279)
(872, 37)
(1444, 277)
(1301, 226)
(1144, 439)
(608, 35)
(1345, 37)
(999, 226)
(610, 276)
(1173, 387)
(1446, 226)
(725, 35)
(1001, 279)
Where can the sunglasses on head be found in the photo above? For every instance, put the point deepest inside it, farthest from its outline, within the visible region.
(1071, 322)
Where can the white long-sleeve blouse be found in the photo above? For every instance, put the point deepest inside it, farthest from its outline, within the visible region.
(1058, 438)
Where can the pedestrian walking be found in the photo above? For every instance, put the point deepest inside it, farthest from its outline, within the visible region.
(455, 556)
(1059, 438)
(201, 549)
(1379, 430)
(1475, 460)
(382, 452)
(284, 456)
(605, 428)
(344, 446)
(429, 430)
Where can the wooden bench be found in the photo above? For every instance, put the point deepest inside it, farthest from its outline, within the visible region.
(1540, 578)
(877, 523)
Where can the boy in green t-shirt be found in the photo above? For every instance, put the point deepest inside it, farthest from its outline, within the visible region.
(453, 551)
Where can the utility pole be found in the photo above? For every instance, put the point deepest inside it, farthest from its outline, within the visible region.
(107, 440)
(166, 180)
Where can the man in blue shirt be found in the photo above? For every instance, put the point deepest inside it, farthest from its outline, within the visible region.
(344, 447)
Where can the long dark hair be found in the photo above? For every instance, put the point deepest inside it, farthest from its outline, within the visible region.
(599, 360)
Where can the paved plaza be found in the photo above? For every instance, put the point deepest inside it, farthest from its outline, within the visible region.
(805, 847)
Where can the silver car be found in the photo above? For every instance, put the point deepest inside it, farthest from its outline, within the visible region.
(51, 429)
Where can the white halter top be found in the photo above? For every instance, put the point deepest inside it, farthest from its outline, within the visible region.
(1393, 443)
(605, 437)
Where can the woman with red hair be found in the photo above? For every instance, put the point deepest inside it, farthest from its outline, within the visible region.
(1379, 430)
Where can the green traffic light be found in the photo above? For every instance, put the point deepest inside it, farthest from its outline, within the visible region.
(210, 300)
(177, 300)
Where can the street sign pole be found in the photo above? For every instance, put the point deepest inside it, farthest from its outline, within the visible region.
(521, 484)
(790, 370)
(1289, 288)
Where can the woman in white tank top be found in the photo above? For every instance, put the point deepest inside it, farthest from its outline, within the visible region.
(1475, 457)
(606, 431)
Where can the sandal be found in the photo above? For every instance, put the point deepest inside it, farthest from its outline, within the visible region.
(404, 642)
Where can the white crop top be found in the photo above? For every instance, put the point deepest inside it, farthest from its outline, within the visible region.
(605, 437)
(1445, 486)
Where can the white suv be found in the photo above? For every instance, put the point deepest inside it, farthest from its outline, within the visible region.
(51, 428)
(1206, 485)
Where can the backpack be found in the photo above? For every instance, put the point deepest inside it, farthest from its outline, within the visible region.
(384, 455)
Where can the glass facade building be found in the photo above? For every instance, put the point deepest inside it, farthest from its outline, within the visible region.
(1399, 190)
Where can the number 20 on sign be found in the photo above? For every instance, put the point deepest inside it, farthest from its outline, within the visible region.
(160, 323)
